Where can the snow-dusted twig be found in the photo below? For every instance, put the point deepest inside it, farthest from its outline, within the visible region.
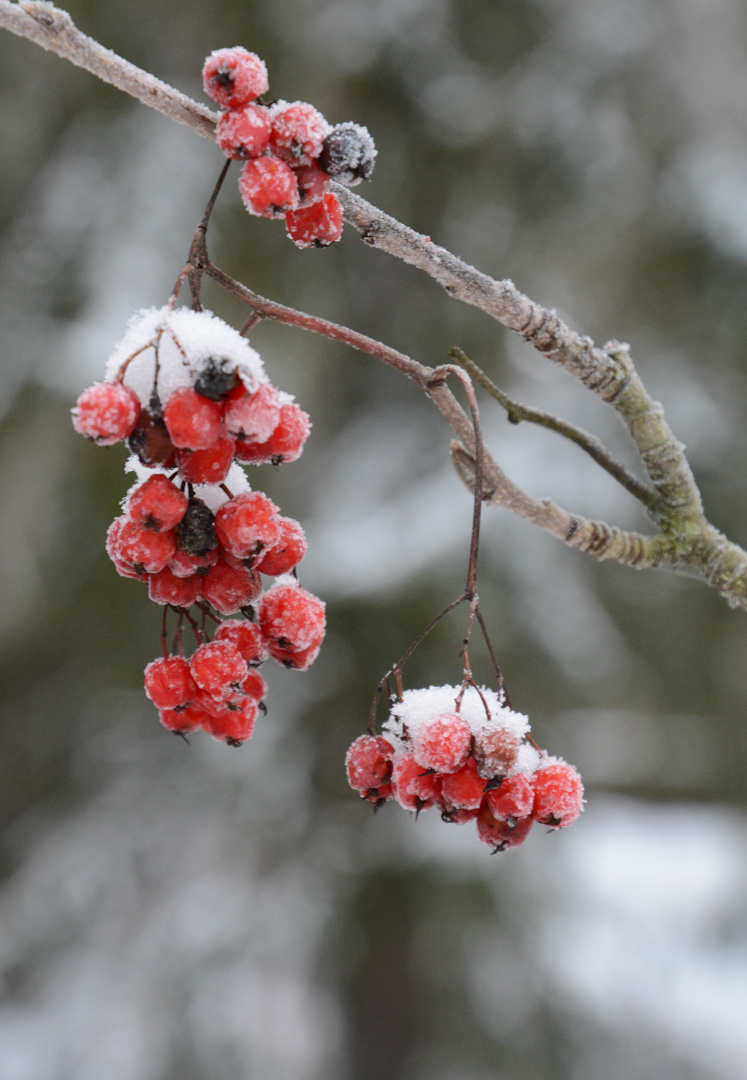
(685, 538)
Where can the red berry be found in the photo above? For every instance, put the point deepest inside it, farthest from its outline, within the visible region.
(106, 413)
(291, 618)
(318, 225)
(234, 725)
(268, 187)
(287, 553)
(501, 835)
(184, 720)
(218, 668)
(228, 589)
(413, 788)
(157, 505)
(184, 565)
(286, 442)
(298, 659)
(254, 686)
(442, 743)
(369, 762)
(253, 417)
(166, 588)
(463, 790)
(298, 132)
(208, 466)
(558, 795)
(234, 77)
(513, 799)
(244, 133)
(247, 525)
(246, 637)
(312, 181)
(169, 683)
(146, 552)
(194, 422)
(495, 751)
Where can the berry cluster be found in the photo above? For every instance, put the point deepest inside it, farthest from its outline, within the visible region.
(289, 151)
(192, 400)
(465, 752)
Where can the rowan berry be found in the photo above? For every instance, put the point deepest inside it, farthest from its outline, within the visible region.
(298, 132)
(348, 154)
(501, 835)
(157, 504)
(298, 659)
(166, 587)
(194, 422)
(195, 533)
(146, 552)
(208, 466)
(495, 750)
(291, 618)
(234, 726)
(413, 788)
(234, 77)
(317, 225)
(253, 417)
(514, 798)
(312, 182)
(368, 762)
(184, 565)
(286, 442)
(183, 721)
(442, 743)
(463, 790)
(169, 683)
(287, 552)
(558, 795)
(268, 187)
(254, 686)
(228, 589)
(150, 441)
(218, 668)
(106, 413)
(244, 133)
(248, 525)
(246, 637)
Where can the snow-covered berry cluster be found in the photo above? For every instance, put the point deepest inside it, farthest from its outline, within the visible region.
(191, 398)
(469, 755)
(289, 151)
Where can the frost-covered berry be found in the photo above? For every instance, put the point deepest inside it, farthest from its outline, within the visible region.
(368, 762)
(150, 442)
(106, 413)
(254, 686)
(247, 525)
(169, 683)
(290, 618)
(146, 552)
(183, 721)
(312, 182)
(348, 154)
(268, 187)
(194, 422)
(184, 565)
(298, 659)
(180, 592)
(413, 788)
(156, 504)
(286, 442)
(514, 798)
(218, 668)
(501, 835)
(234, 77)
(244, 133)
(229, 589)
(495, 751)
(442, 743)
(287, 552)
(298, 132)
(246, 637)
(463, 790)
(208, 466)
(318, 225)
(558, 795)
(234, 725)
(253, 417)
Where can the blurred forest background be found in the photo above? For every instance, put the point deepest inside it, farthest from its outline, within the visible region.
(195, 912)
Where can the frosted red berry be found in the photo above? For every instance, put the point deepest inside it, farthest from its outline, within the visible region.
(194, 422)
(286, 442)
(268, 187)
(234, 726)
(558, 795)
(501, 835)
(413, 788)
(287, 552)
(146, 552)
(183, 565)
(312, 181)
(106, 413)
(208, 466)
(180, 592)
(246, 637)
(368, 762)
(290, 618)
(464, 789)
(513, 798)
(298, 659)
(157, 504)
(184, 721)
(317, 225)
(234, 77)
(442, 743)
(254, 686)
(169, 683)
(244, 133)
(253, 417)
(247, 526)
(229, 589)
(218, 668)
(298, 132)
(495, 751)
